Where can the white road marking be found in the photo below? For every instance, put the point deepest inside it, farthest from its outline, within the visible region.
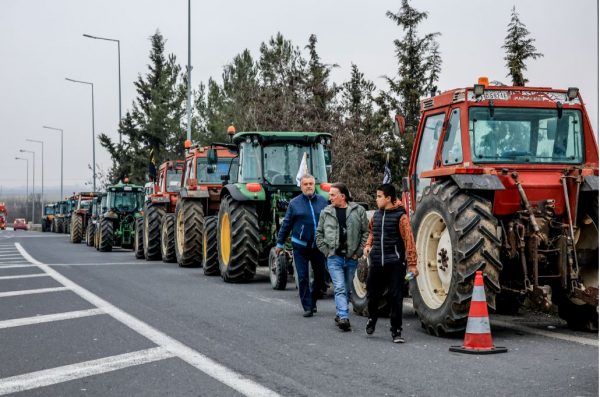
(97, 264)
(205, 364)
(16, 266)
(66, 373)
(23, 276)
(32, 291)
(18, 322)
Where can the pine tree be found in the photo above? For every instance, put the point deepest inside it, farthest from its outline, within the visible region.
(519, 47)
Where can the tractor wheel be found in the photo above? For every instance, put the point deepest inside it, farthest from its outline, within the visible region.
(455, 235)
(358, 292)
(278, 272)
(105, 238)
(189, 222)
(138, 238)
(76, 229)
(167, 239)
(153, 215)
(59, 225)
(578, 314)
(238, 242)
(89, 234)
(210, 258)
(67, 226)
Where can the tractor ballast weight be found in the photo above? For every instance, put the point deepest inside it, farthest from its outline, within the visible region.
(505, 180)
(256, 198)
(116, 223)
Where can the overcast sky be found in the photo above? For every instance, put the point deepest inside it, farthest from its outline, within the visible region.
(41, 43)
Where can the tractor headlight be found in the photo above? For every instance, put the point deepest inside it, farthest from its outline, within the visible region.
(572, 93)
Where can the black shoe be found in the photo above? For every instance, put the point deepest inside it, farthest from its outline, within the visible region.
(371, 326)
(337, 320)
(344, 324)
(397, 338)
(308, 313)
(314, 309)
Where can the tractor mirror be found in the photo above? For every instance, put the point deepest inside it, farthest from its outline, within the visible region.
(212, 156)
(327, 153)
(405, 185)
(225, 178)
(399, 124)
(211, 169)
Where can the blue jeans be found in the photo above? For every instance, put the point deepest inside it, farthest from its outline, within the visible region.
(342, 271)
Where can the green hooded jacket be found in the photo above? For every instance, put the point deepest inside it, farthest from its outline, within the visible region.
(357, 230)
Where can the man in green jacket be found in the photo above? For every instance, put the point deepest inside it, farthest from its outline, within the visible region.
(341, 236)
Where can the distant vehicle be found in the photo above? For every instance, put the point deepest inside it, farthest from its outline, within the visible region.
(3, 216)
(20, 223)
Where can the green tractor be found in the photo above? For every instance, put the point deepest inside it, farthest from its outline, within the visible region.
(253, 204)
(116, 222)
(61, 209)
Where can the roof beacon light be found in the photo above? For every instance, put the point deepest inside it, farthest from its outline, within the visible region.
(572, 93)
(483, 80)
(187, 144)
(231, 130)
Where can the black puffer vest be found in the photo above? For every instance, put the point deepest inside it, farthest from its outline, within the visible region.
(388, 247)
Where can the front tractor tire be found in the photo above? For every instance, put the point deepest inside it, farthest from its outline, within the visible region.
(153, 215)
(138, 238)
(455, 236)
(189, 222)
(89, 234)
(238, 240)
(105, 238)
(76, 229)
(167, 239)
(210, 255)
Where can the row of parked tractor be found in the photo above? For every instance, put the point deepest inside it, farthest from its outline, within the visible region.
(191, 214)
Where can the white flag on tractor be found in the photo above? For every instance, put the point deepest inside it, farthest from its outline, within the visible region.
(302, 170)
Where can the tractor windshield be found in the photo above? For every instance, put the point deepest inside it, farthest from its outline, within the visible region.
(86, 204)
(221, 168)
(518, 135)
(64, 206)
(283, 161)
(173, 180)
(48, 210)
(123, 201)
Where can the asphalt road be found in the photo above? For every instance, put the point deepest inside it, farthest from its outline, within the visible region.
(77, 322)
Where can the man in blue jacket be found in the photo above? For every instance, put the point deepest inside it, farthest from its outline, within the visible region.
(301, 220)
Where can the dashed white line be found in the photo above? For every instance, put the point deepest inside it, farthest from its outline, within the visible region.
(32, 291)
(52, 376)
(18, 322)
(205, 364)
(23, 276)
(16, 266)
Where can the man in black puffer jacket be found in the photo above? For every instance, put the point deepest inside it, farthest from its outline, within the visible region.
(389, 247)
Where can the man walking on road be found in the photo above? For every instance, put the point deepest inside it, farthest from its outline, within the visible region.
(301, 221)
(390, 243)
(341, 236)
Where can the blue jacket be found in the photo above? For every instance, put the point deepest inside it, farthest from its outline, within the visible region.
(301, 221)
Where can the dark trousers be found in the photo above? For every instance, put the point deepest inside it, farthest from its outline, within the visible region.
(309, 293)
(392, 278)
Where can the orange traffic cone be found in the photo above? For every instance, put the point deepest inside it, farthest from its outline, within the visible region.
(478, 337)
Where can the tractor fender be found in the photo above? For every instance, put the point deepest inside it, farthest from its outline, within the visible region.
(194, 194)
(590, 183)
(478, 182)
(233, 191)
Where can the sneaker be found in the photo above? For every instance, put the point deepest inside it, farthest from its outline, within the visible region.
(344, 324)
(397, 338)
(371, 326)
(308, 313)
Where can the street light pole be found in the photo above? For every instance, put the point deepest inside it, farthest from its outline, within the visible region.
(93, 128)
(189, 75)
(119, 60)
(42, 142)
(27, 184)
(61, 157)
(32, 185)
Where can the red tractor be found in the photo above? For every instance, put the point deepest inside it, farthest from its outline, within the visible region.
(160, 202)
(3, 215)
(80, 215)
(504, 180)
(199, 200)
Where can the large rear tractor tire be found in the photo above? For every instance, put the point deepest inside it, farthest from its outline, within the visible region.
(153, 215)
(76, 229)
(358, 292)
(578, 314)
(455, 235)
(89, 234)
(238, 240)
(138, 238)
(105, 238)
(167, 239)
(189, 222)
(210, 254)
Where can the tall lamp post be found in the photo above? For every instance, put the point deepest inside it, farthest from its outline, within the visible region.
(119, 60)
(93, 128)
(32, 185)
(42, 142)
(61, 157)
(189, 75)
(27, 184)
